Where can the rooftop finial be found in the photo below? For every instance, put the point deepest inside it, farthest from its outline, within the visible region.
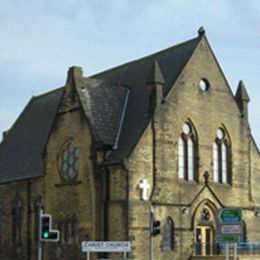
(206, 177)
(201, 31)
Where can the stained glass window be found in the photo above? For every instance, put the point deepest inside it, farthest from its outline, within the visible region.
(69, 166)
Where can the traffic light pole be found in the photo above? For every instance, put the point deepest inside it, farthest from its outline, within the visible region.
(39, 242)
(150, 233)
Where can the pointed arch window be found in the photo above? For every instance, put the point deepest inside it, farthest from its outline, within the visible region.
(221, 158)
(17, 221)
(38, 205)
(168, 235)
(1, 223)
(61, 228)
(71, 230)
(187, 153)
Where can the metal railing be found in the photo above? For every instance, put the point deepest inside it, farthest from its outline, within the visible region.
(242, 248)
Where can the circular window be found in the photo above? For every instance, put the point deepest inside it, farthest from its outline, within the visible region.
(204, 85)
(69, 158)
(186, 128)
(220, 134)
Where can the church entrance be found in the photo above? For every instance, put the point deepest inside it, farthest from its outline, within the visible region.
(205, 228)
(204, 240)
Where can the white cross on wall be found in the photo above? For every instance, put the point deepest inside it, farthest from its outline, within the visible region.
(144, 186)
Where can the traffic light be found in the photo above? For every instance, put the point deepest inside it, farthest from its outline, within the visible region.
(154, 226)
(46, 233)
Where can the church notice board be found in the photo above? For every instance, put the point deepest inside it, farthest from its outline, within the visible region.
(229, 225)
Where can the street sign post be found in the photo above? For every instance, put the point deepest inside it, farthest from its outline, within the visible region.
(105, 246)
(229, 228)
(229, 224)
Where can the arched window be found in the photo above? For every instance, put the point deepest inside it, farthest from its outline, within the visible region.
(17, 221)
(37, 207)
(61, 228)
(71, 229)
(168, 235)
(221, 158)
(75, 229)
(187, 153)
(1, 223)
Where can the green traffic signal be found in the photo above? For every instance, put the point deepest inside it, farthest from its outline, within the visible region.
(46, 235)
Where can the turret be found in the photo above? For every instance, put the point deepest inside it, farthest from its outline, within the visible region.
(242, 99)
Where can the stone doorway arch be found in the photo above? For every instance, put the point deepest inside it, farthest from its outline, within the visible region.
(204, 223)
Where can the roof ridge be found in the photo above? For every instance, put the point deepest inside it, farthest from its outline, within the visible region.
(145, 57)
(48, 92)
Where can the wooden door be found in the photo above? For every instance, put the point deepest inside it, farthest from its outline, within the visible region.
(204, 240)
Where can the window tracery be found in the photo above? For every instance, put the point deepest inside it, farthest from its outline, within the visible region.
(69, 161)
(221, 158)
(187, 153)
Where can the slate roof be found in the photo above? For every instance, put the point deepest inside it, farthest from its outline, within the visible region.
(103, 104)
(116, 113)
(135, 75)
(21, 152)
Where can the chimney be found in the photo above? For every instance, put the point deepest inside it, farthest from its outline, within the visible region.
(75, 75)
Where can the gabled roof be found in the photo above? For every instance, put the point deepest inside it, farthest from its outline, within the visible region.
(135, 75)
(103, 105)
(117, 114)
(21, 151)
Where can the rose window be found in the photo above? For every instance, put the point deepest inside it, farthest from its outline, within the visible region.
(70, 161)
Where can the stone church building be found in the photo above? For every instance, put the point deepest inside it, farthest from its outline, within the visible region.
(162, 133)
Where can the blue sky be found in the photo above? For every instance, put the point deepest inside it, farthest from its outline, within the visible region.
(39, 40)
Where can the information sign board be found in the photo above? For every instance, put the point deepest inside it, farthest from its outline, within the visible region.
(230, 215)
(231, 229)
(106, 246)
(227, 239)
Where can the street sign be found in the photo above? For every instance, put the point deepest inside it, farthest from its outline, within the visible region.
(230, 215)
(229, 225)
(231, 229)
(227, 239)
(106, 246)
